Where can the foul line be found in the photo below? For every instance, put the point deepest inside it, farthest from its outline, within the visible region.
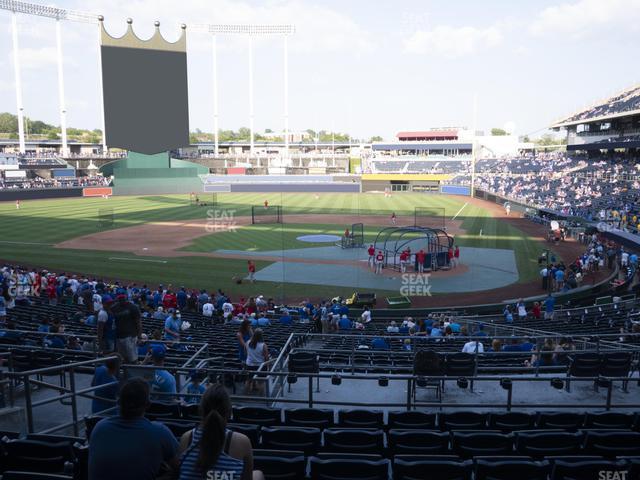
(461, 208)
(137, 259)
(26, 243)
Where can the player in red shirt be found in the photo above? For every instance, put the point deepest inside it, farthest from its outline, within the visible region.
(17, 204)
(420, 256)
(404, 258)
(379, 261)
(450, 256)
(252, 270)
(456, 256)
(393, 218)
(372, 253)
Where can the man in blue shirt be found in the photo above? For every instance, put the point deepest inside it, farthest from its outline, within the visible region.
(181, 298)
(172, 327)
(106, 375)
(549, 303)
(285, 319)
(163, 380)
(344, 323)
(129, 446)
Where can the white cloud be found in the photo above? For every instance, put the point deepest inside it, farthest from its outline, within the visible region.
(318, 28)
(453, 41)
(580, 18)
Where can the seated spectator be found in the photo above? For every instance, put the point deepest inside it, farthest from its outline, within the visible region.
(73, 343)
(286, 319)
(455, 326)
(106, 375)
(473, 346)
(436, 330)
(393, 328)
(44, 326)
(512, 346)
(496, 345)
(480, 332)
(261, 321)
(164, 382)
(129, 446)
(143, 345)
(543, 358)
(195, 387)
(379, 343)
(211, 447)
(55, 340)
(159, 314)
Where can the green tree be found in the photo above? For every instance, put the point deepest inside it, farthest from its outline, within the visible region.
(498, 132)
(244, 134)
(52, 135)
(376, 138)
(8, 123)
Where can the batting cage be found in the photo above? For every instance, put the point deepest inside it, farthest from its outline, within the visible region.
(266, 214)
(105, 217)
(429, 217)
(353, 238)
(433, 242)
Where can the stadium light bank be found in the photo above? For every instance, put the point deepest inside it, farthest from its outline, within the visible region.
(250, 31)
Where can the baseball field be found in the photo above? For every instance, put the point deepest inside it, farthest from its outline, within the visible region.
(168, 239)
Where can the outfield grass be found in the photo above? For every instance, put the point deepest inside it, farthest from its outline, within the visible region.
(28, 235)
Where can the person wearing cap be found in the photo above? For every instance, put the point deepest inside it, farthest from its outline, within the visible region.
(128, 328)
(129, 446)
(106, 333)
(163, 381)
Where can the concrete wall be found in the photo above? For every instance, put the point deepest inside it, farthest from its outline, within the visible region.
(11, 195)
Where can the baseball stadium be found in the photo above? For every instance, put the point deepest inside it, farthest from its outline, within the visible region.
(444, 303)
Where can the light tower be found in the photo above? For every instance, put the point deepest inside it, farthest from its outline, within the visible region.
(57, 14)
(251, 31)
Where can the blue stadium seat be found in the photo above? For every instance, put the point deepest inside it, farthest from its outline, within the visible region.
(292, 438)
(309, 417)
(348, 469)
(418, 442)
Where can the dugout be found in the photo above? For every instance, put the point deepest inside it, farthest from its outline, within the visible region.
(435, 242)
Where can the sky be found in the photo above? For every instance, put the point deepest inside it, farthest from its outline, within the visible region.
(361, 66)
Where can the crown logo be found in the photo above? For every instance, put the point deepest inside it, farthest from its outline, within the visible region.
(131, 40)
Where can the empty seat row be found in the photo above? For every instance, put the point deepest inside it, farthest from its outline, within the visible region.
(504, 421)
(465, 444)
(292, 465)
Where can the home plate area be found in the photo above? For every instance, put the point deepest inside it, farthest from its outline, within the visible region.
(481, 269)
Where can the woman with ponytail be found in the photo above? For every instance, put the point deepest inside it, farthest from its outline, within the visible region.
(210, 450)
